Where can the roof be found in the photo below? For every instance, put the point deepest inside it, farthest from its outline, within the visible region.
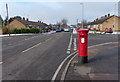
(27, 23)
(101, 20)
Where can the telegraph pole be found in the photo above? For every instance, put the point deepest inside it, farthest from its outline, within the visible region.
(114, 26)
(7, 19)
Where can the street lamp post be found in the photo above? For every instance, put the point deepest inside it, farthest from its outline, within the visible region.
(82, 14)
(77, 23)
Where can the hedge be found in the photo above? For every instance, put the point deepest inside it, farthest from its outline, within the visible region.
(34, 30)
(24, 30)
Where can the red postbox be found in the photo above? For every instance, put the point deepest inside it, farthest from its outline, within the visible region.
(83, 45)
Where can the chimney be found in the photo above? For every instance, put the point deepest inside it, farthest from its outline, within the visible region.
(39, 21)
(23, 18)
(108, 14)
(27, 19)
(105, 15)
(96, 19)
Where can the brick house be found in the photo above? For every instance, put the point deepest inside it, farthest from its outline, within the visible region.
(22, 23)
(106, 21)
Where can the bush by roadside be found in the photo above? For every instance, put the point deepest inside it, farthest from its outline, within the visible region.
(24, 30)
(4, 29)
(34, 30)
(29, 30)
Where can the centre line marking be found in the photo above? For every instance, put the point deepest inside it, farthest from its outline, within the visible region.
(31, 48)
(34, 46)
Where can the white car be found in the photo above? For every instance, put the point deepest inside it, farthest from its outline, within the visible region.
(66, 29)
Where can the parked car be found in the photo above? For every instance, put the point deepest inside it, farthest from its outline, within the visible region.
(62, 28)
(58, 29)
(66, 29)
(108, 30)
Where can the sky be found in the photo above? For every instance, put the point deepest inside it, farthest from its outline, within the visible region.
(54, 11)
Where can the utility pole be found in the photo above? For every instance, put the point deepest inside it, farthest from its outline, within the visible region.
(82, 14)
(114, 25)
(7, 19)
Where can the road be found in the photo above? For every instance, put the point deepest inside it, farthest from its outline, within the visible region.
(36, 57)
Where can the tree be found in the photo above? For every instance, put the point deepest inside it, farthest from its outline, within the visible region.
(64, 22)
(58, 24)
(85, 23)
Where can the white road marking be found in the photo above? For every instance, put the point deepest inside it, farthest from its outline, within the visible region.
(9, 44)
(100, 44)
(70, 43)
(29, 38)
(66, 68)
(60, 66)
(31, 47)
(1, 63)
(75, 47)
(68, 52)
(34, 46)
(48, 39)
(74, 31)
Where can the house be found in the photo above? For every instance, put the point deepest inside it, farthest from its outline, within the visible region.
(1, 21)
(106, 21)
(22, 23)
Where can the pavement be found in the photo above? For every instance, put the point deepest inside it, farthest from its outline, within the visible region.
(102, 65)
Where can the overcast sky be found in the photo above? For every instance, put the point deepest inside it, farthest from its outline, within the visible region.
(51, 12)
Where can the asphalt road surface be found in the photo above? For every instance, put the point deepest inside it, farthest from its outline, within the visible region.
(36, 57)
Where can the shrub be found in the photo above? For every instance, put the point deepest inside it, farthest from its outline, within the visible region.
(34, 30)
(5, 30)
(22, 30)
(25, 30)
(16, 31)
